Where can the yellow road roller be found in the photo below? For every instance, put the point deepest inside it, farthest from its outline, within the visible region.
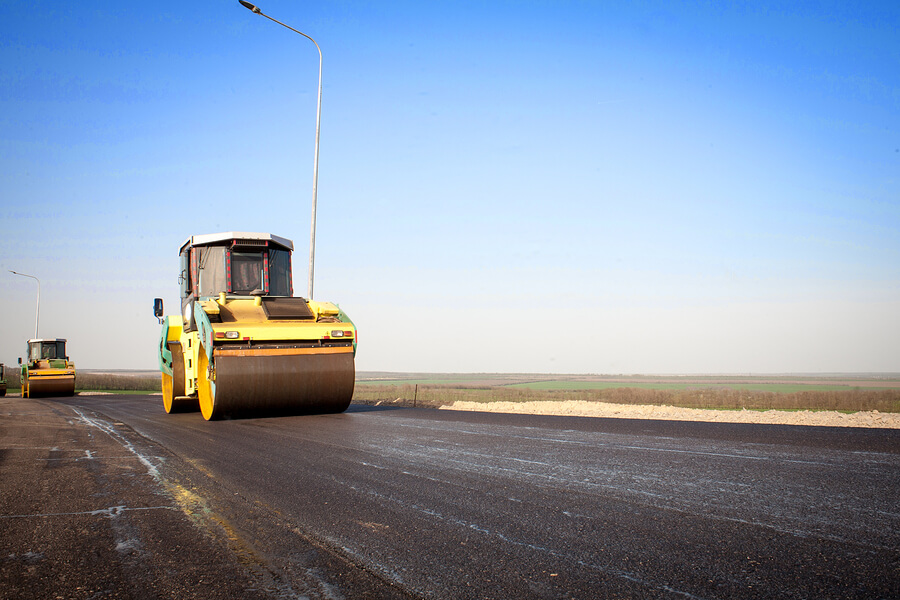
(47, 370)
(243, 344)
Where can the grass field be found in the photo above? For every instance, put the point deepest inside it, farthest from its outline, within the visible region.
(780, 388)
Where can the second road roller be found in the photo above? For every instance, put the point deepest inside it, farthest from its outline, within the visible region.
(244, 344)
(47, 370)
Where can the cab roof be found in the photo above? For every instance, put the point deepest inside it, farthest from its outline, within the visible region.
(210, 239)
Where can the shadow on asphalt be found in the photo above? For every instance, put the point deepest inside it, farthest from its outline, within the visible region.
(361, 408)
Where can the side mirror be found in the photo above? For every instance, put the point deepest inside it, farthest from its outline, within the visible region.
(157, 307)
(20, 360)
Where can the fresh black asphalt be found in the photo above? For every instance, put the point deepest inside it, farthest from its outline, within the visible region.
(420, 503)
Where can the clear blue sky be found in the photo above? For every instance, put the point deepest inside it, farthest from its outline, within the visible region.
(571, 187)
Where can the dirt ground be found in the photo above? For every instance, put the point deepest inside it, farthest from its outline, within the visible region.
(627, 411)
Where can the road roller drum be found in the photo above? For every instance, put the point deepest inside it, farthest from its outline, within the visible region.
(271, 383)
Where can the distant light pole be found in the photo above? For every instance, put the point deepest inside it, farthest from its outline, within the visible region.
(37, 311)
(312, 232)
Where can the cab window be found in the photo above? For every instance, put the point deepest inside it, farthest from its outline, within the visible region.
(247, 270)
(211, 270)
(280, 273)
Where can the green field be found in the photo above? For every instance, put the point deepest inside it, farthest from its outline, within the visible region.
(779, 388)
(848, 393)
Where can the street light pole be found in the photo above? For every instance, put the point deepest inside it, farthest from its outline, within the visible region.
(312, 232)
(37, 311)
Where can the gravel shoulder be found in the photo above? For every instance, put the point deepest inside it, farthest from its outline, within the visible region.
(628, 411)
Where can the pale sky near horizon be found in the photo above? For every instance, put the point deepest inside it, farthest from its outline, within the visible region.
(552, 187)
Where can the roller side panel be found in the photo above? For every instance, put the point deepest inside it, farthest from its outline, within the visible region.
(171, 332)
(175, 398)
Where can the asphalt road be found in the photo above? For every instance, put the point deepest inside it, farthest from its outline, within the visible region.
(405, 503)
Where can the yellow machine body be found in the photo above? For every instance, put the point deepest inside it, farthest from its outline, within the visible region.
(236, 354)
(47, 370)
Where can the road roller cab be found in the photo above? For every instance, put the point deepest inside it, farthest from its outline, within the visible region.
(47, 370)
(243, 343)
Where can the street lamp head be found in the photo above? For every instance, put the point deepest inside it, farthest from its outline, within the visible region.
(37, 311)
(250, 6)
